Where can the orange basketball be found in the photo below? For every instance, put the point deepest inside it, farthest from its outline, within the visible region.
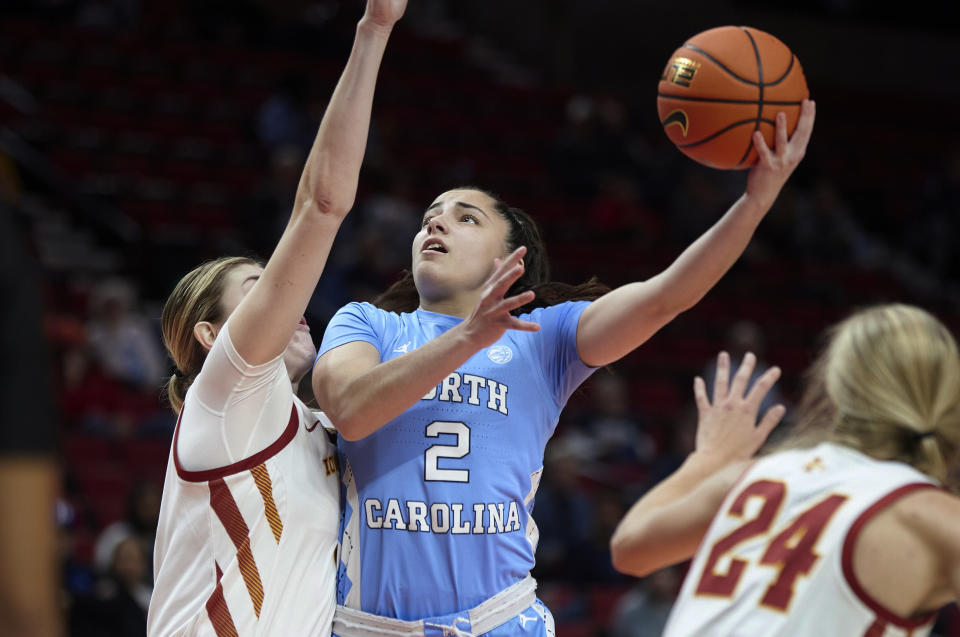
(721, 86)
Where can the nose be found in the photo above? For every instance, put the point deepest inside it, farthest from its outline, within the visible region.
(436, 225)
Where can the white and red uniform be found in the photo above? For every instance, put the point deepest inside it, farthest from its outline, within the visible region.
(778, 557)
(247, 536)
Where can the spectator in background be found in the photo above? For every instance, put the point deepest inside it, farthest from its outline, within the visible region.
(681, 440)
(29, 473)
(643, 611)
(118, 604)
(140, 523)
(284, 119)
(123, 591)
(573, 153)
(825, 227)
(609, 432)
(269, 210)
(121, 339)
(564, 512)
(618, 211)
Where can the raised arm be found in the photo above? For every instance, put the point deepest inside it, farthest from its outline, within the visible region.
(265, 320)
(666, 525)
(360, 393)
(621, 320)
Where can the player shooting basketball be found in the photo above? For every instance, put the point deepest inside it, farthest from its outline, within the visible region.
(446, 394)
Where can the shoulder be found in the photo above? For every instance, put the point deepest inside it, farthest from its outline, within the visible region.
(361, 311)
(559, 311)
(932, 514)
(360, 307)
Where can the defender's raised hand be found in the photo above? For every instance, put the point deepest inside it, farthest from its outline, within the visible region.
(727, 428)
(385, 13)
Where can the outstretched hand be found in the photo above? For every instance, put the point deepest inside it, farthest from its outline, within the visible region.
(385, 13)
(774, 166)
(491, 317)
(727, 429)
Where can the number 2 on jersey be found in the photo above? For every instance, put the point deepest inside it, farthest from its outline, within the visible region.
(432, 471)
(790, 552)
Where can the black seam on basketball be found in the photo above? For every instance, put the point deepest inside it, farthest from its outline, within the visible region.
(716, 134)
(691, 98)
(756, 122)
(785, 74)
(719, 63)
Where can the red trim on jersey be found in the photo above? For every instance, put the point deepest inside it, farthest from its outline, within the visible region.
(218, 612)
(877, 628)
(883, 613)
(229, 513)
(243, 465)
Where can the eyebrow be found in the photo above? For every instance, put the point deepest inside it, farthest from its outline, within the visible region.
(458, 203)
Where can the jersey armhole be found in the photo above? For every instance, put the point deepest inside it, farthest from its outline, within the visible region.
(846, 559)
(242, 465)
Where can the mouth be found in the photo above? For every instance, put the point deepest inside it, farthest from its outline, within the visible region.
(302, 324)
(433, 246)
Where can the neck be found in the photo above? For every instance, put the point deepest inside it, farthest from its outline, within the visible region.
(460, 306)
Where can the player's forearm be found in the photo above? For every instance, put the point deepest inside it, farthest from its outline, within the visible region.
(379, 395)
(626, 317)
(694, 470)
(644, 541)
(708, 258)
(329, 180)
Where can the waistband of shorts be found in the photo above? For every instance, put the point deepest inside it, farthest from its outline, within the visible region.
(494, 612)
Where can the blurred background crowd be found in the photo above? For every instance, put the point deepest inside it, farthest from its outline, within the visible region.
(139, 138)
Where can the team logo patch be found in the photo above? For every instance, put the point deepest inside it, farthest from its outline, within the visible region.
(500, 354)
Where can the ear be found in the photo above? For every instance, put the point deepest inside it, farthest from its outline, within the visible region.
(205, 332)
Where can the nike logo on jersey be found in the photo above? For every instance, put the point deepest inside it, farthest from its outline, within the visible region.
(403, 348)
(524, 619)
(315, 424)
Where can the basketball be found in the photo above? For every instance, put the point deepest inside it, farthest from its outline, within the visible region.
(721, 86)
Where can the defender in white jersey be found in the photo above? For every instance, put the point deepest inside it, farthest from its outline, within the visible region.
(847, 529)
(247, 537)
(246, 541)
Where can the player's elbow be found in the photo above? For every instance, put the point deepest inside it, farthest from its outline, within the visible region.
(346, 420)
(628, 557)
(326, 205)
(349, 429)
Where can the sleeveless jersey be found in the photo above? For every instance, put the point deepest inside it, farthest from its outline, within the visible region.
(250, 549)
(437, 503)
(778, 557)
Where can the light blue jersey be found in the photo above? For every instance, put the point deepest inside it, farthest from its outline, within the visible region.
(437, 503)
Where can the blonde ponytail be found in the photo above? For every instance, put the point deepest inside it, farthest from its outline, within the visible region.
(892, 374)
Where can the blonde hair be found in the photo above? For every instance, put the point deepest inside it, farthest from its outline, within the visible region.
(197, 297)
(888, 385)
